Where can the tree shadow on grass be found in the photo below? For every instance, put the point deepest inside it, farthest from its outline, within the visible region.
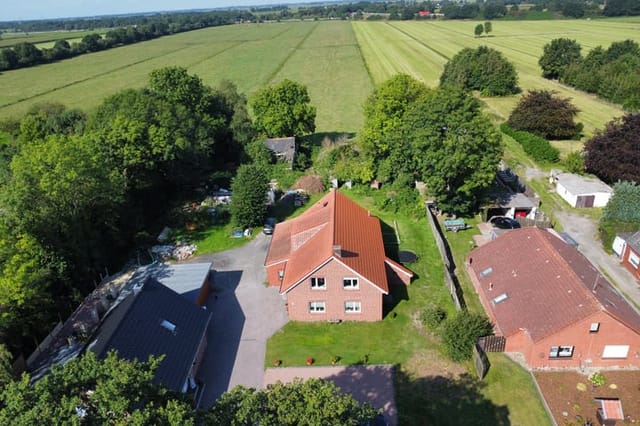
(316, 139)
(439, 400)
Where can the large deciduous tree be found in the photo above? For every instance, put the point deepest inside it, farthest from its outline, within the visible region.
(308, 403)
(447, 142)
(383, 112)
(91, 391)
(542, 113)
(284, 110)
(557, 56)
(249, 188)
(614, 154)
(484, 69)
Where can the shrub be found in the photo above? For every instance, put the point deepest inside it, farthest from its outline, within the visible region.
(542, 113)
(597, 379)
(538, 148)
(461, 333)
(574, 162)
(432, 316)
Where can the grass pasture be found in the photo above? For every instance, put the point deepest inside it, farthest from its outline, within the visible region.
(339, 61)
(421, 49)
(44, 39)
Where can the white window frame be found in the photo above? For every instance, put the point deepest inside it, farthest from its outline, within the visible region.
(355, 305)
(354, 283)
(315, 283)
(317, 307)
(615, 351)
(634, 260)
(562, 351)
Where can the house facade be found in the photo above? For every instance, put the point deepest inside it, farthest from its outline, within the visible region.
(552, 306)
(330, 263)
(627, 247)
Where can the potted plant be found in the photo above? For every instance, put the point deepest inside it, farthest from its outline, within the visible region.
(277, 362)
(310, 361)
(335, 359)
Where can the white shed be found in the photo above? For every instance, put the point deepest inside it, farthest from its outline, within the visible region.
(580, 191)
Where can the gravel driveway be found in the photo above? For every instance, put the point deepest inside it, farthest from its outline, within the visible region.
(245, 314)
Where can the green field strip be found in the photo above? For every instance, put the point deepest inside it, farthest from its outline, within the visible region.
(271, 79)
(443, 56)
(335, 75)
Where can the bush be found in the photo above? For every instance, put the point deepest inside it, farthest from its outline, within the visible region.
(432, 316)
(538, 148)
(574, 162)
(461, 333)
(542, 113)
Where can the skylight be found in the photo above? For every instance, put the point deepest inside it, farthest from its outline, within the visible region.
(486, 272)
(500, 298)
(168, 325)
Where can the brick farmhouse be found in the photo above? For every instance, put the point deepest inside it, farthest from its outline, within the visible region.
(330, 263)
(629, 252)
(551, 304)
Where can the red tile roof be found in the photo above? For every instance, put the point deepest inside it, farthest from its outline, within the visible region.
(548, 284)
(307, 242)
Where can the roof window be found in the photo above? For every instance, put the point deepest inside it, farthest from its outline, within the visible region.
(486, 272)
(168, 325)
(500, 298)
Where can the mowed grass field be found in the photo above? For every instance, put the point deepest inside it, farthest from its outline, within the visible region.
(421, 49)
(324, 56)
(339, 61)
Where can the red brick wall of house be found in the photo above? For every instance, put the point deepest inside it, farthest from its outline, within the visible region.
(273, 276)
(334, 296)
(630, 267)
(587, 345)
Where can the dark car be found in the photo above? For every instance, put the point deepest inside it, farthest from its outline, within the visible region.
(502, 222)
(269, 225)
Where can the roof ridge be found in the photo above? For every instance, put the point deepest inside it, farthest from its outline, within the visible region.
(333, 216)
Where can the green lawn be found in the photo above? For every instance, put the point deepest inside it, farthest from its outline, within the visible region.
(425, 392)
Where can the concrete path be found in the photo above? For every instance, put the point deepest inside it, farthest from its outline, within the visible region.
(366, 383)
(584, 230)
(245, 314)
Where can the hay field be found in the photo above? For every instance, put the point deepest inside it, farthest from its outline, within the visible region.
(339, 61)
(422, 48)
(325, 56)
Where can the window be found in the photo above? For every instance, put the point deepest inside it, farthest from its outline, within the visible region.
(634, 260)
(595, 326)
(352, 307)
(561, 352)
(316, 307)
(318, 283)
(615, 351)
(350, 283)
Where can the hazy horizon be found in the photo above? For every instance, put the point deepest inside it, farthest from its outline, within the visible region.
(28, 10)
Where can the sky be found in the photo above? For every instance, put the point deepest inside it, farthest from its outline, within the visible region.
(13, 10)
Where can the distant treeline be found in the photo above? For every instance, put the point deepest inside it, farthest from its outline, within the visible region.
(127, 30)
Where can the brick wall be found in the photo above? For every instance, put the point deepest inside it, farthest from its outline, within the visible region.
(334, 297)
(588, 346)
(625, 262)
(273, 274)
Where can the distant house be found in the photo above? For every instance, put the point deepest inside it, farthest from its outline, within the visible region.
(551, 304)
(580, 191)
(330, 263)
(284, 149)
(627, 247)
(155, 320)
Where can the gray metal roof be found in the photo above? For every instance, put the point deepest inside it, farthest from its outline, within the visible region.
(183, 278)
(516, 200)
(578, 185)
(633, 241)
(285, 147)
(136, 328)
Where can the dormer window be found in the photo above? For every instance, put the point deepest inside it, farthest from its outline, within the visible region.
(595, 326)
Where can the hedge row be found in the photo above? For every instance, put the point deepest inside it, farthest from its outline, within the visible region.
(536, 147)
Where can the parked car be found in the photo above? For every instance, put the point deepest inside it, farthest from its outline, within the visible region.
(503, 222)
(269, 225)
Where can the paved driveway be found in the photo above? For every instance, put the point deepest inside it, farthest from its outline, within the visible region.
(245, 314)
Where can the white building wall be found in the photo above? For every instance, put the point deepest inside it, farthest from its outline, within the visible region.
(566, 195)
